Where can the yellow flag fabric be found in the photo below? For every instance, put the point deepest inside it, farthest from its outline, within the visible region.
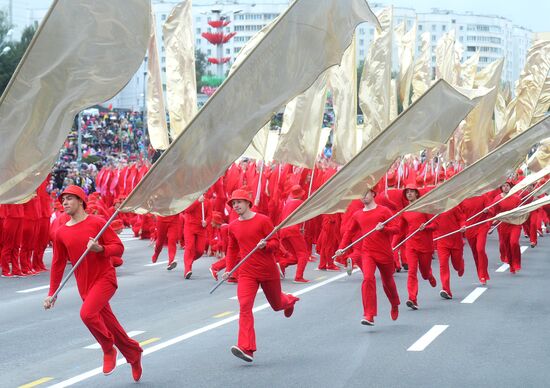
(479, 127)
(302, 122)
(541, 158)
(519, 215)
(307, 39)
(425, 124)
(406, 49)
(487, 173)
(78, 57)
(468, 71)
(529, 180)
(343, 83)
(156, 112)
(422, 73)
(445, 58)
(374, 88)
(181, 84)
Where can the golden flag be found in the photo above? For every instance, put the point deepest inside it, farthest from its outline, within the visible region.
(343, 83)
(520, 214)
(468, 71)
(422, 73)
(78, 57)
(275, 71)
(374, 88)
(425, 124)
(181, 83)
(541, 158)
(445, 58)
(479, 127)
(500, 114)
(529, 180)
(532, 93)
(156, 112)
(406, 49)
(302, 122)
(487, 173)
(393, 99)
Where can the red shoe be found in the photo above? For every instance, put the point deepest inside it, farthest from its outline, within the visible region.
(8, 275)
(244, 355)
(214, 273)
(432, 281)
(109, 362)
(137, 370)
(461, 272)
(300, 280)
(394, 313)
(483, 281)
(368, 320)
(288, 311)
(154, 258)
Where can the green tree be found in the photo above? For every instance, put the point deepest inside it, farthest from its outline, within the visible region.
(9, 59)
(200, 67)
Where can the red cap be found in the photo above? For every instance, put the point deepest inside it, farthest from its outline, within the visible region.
(410, 186)
(240, 194)
(392, 178)
(117, 225)
(74, 190)
(296, 191)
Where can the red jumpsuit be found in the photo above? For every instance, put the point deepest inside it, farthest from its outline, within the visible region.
(96, 281)
(219, 245)
(30, 230)
(194, 233)
(43, 234)
(327, 244)
(259, 270)
(355, 253)
(293, 241)
(419, 250)
(12, 230)
(450, 247)
(376, 253)
(167, 230)
(508, 234)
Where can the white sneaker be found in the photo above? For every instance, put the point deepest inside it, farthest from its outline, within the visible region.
(237, 352)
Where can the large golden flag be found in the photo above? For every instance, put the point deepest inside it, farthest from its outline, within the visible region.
(532, 93)
(374, 88)
(422, 73)
(487, 173)
(479, 127)
(156, 112)
(307, 39)
(541, 158)
(468, 71)
(343, 83)
(181, 83)
(302, 123)
(78, 57)
(406, 47)
(445, 58)
(520, 214)
(425, 124)
(529, 180)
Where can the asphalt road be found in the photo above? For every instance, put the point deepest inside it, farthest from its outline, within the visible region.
(500, 339)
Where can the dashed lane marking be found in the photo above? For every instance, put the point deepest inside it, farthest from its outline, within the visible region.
(157, 263)
(32, 289)
(130, 334)
(149, 341)
(224, 314)
(471, 298)
(427, 338)
(36, 382)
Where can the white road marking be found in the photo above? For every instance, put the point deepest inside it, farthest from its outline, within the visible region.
(427, 338)
(33, 289)
(183, 337)
(523, 248)
(157, 263)
(130, 334)
(471, 298)
(503, 268)
(125, 239)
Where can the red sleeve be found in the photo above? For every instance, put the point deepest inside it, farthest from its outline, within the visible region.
(352, 229)
(59, 261)
(393, 226)
(111, 243)
(232, 251)
(431, 226)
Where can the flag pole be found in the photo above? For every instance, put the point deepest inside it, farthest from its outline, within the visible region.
(415, 232)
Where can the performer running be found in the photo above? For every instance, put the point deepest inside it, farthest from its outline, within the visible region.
(245, 233)
(376, 253)
(95, 278)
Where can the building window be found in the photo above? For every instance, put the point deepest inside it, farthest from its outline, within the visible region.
(361, 53)
(361, 42)
(361, 31)
(198, 42)
(433, 27)
(434, 38)
(443, 28)
(420, 27)
(461, 28)
(227, 51)
(198, 31)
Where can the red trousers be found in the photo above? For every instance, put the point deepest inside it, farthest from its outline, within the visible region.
(28, 243)
(246, 293)
(368, 287)
(12, 230)
(297, 247)
(399, 255)
(508, 240)
(195, 242)
(531, 226)
(167, 231)
(457, 260)
(477, 239)
(417, 260)
(102, 323)
(219, 265)
(41, 243)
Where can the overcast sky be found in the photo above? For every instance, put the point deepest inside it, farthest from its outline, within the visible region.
(532, 14)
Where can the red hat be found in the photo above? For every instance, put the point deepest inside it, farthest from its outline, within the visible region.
(410, 186)
(74, 190)
(117, 225)
(217, 217)
(391, 178)
(510, 182)
(240, 194)
(296, 191)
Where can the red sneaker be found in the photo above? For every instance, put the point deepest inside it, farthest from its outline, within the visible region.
(288, 311)
(244, 355)
(154, 258)
(432, 281)
(394, 313)
(214, 273)
(109, 362)
(137, 370)
(461, 271)
(368, 320)
(7, 275)
(483, 281)
(300, 280)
